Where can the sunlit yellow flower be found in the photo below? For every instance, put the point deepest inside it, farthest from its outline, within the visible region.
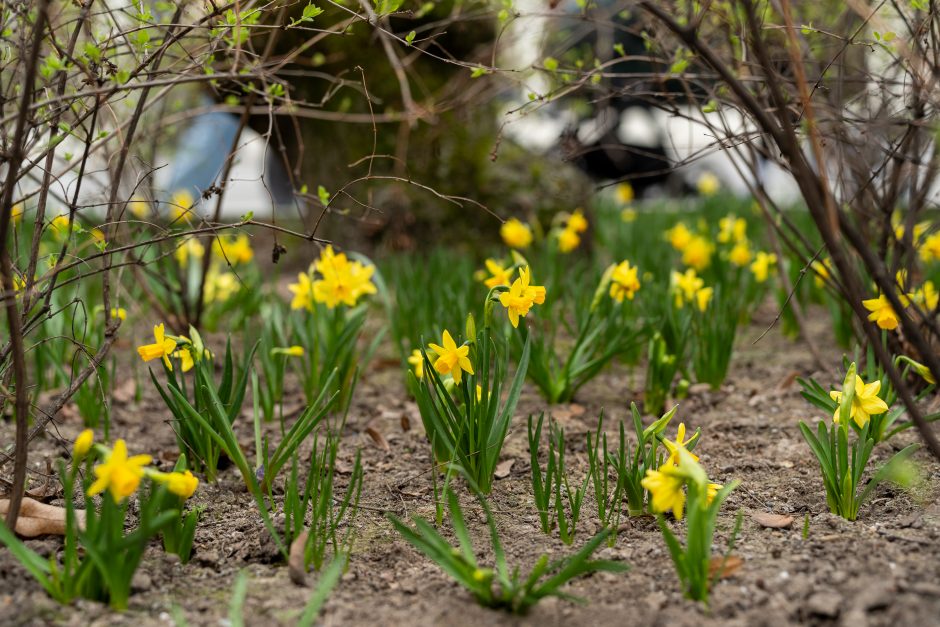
(498, 274)
(16, 213)
(521, 296)
(865, 403)
(712, 492)
(417, 363)
(452, 359)
(83, 444)
(666, 487)
(708, 184)
(740, 254)
(882, 313)
(181, 204)
(679, 236)
(162, 347)
(761, 265)
(823, 270)
(577, 222)
(697, 253)
(927, 296)
(119, 474)
(191, 248)
(119, 312)
(625, 194)
(303, 292)
(674, 446)
(568, 240)
(182, 484)
(220, 286)
(186, 359)
(516, 234)
(685, 285)
(930, 249)
(139, 207)
(342, 281)
(703, 296)
(628, 215)
(97, 235)
(234, 248)
(919, 229)
(60, 226)
(732, 229)
(624, 282)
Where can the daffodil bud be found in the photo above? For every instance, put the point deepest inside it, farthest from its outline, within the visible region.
(682, 388)
(848, 396)
(471, 328)
(603, 286)
(83, 444)
(199, 348)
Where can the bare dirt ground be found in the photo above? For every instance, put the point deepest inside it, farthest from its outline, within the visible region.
(883, 569)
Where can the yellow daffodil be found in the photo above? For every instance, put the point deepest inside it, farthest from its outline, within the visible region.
(16, 213)
(60, 226)
(119, 474)
(628, 215)
(674, 446)
(417, 363)
(919, 229)
(520, 297)
(577, 222)
(708, 184)
(186, 359)
(220, 286)
(516, 234)
(452, 359)
(119, 312)
(162, 347)
(498, 274)
(18, 282)
(679, 236)
(927, 296)
(697, 253)
(823, 270)
(761, 266)
(740, 254)
(703, 296)
(732, 229)
(685, 285)
(139, 207)
(865, 403)
(182, 484)
(624, 193)
(191, 248)
(624, 282)
(289, 351)
(568, 240)
(181, 203)
(83, 444)
(930, 249)
(882, 313)
(666, 487)
(303, 292)
(341, 281)
(712, 492)
(479, 391)
(235, 249)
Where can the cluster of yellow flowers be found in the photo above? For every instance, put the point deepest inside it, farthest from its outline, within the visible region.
(569, 237)
(688, 287)
(341, 282)
(220, 285)
(666, 484)
(120, 475)
(883, 313)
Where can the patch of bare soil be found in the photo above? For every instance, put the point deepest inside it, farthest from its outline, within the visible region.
(880, 570)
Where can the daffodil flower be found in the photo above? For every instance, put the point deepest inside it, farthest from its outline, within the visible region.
(568, 240)
(708, 184)
(83, 444)
(761, 266)
(624, 282)
(342, 281)
(499, 275)
(703, 296)
(679, 236)
(452, 359)
(516, 234)
(882, 313)
(182, 484)
(162, 347)
(697, 253)
(521, 296)
(119, 474)
(417, 363)
(303, 292)
(666, 487)
(679, 443)
(740, 254)
(624, 193)
(686, 284)
(577, 222)
(865, 403)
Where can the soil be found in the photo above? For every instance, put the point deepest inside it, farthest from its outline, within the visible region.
(883, 569)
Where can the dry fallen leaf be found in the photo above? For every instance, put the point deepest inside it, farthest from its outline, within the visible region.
(377, 438)
(295, 561)
(789, 380)
(405, 422)
(728, 565)
(38, 519)
(772, 521)
(503, 468)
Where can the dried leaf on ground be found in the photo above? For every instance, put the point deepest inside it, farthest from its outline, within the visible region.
(377, 438)
(37, 519)
(295, 561)
(728, 565)
(772, 521)
(503, 468)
